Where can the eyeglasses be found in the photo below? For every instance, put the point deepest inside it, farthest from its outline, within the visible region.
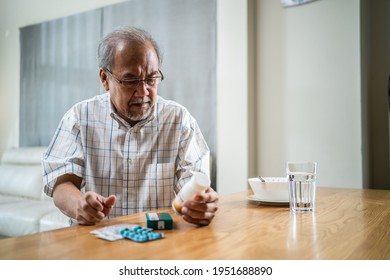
(134, 83)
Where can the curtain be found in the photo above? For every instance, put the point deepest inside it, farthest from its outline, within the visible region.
(58, 69)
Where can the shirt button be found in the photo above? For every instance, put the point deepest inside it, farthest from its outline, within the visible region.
(130, 160)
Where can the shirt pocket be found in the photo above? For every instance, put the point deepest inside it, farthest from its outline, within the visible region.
(161, 180)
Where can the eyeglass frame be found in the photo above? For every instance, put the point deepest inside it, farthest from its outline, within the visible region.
(126, 84)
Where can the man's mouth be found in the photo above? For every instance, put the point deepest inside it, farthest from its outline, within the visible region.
(140, 102)
(139, 108)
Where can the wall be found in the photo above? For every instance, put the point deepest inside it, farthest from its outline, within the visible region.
(232, 96)
(308, 89)
(365, 91)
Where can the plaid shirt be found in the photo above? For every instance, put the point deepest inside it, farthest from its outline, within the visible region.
(144, 165)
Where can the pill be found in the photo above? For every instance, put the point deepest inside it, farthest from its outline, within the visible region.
(140, 234)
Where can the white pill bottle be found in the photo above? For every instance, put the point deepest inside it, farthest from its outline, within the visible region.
(198, 183)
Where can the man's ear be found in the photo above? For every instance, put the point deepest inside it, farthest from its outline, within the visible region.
(104, 79)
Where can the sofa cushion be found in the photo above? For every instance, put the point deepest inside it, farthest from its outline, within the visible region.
(23, 155)
(24, 208)
(53, 220)
(21, 172)
(10, 199)
(21, 180)
(23, 217)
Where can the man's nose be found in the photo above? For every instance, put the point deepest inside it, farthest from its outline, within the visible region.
(142, 89)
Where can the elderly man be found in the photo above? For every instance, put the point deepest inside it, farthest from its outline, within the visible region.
(127, 150)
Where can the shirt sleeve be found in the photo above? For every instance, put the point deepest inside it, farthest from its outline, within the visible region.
(194, 153)
(64, 154)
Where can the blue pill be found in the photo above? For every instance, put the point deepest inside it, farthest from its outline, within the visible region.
(143, 238)
(140, 234)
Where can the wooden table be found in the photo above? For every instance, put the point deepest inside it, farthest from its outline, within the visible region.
(347, 224)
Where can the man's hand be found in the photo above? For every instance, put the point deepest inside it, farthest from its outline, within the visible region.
(88, 208)
(201, 210)
(92, 208)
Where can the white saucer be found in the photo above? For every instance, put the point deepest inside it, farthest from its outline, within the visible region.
(255, 198)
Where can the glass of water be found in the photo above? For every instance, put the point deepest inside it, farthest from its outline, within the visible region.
(302, 185)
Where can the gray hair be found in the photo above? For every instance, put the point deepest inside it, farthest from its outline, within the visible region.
(107, 46)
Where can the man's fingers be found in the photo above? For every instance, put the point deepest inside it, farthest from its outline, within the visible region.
(108, 203)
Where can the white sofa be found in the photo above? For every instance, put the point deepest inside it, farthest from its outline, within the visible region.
(24, 207)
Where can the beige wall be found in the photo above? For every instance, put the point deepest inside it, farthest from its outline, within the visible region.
(232, 96)
(308, 89)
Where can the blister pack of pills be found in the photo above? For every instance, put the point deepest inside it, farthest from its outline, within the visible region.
(111, 233)
(140, 234)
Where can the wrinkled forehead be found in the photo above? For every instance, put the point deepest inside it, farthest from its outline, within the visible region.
(135, 54)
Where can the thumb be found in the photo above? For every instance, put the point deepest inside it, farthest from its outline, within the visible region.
(108, 203)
